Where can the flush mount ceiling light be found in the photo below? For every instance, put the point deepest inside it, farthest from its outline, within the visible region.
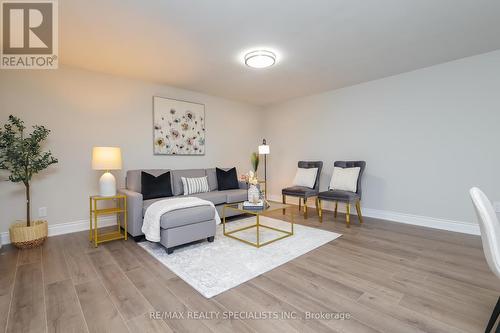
(260, 59)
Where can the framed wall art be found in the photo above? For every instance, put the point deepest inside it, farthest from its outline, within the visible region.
(178, 127)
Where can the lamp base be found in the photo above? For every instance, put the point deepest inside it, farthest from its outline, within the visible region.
(107, 185)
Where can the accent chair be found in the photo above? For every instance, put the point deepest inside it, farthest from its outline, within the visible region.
(490, 236)
(302, 192)
(344, 196)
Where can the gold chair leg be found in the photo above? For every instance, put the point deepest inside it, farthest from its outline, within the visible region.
(316, 204)
(347, 215)
(320, 211)
(358, 209)
(305, 208)
(300, 203)
(284, 202)
(335, 212)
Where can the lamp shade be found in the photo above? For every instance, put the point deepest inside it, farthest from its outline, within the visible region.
(264, 149)
(106, 158)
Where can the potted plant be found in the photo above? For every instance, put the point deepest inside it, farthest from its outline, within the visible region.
(21, 155)
(252, 181)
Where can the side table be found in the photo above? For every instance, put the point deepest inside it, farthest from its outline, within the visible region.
(120, 207)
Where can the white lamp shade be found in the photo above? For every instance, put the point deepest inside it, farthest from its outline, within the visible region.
(106, 158)
(264, 149)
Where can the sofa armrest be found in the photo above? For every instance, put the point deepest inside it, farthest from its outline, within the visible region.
(242, 185)
(134, 211)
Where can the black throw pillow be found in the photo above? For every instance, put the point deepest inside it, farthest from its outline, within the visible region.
(227, 180)
(155, 187)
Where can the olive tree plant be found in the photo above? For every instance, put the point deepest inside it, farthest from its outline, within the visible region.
(21, 154)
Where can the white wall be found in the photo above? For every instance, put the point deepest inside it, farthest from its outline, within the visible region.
(427, 136)
(85, 109)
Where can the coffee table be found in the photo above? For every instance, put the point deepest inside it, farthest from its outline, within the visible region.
(257, 213)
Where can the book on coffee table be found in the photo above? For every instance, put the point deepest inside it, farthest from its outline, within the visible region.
(257, 205)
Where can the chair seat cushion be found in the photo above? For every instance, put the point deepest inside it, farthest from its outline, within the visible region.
(236, 195)
(299, 191)
(181, 217)
(338, 195)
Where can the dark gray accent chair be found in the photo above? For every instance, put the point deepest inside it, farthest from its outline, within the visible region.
(344, 196)
(302, 192)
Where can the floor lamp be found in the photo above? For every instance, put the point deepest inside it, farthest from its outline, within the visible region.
(264, 150)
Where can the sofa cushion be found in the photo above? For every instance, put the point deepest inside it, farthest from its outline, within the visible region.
(227, 179)
(187, 216)
(155, 187)
(212, 179)
(233, 196)
(215, 197)
(195, 185)
(177, 188)
(133, 181)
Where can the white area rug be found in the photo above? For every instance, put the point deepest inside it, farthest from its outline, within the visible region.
(212, 268)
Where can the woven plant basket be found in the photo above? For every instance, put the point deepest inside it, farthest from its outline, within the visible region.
(25, 237)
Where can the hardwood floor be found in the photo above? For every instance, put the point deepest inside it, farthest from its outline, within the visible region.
(388, 277)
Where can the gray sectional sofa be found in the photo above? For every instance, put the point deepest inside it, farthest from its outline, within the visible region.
(183, 225)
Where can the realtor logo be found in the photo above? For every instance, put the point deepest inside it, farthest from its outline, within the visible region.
(29, 34)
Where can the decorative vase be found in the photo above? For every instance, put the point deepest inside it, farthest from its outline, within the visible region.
(253, 194)
(25, 237)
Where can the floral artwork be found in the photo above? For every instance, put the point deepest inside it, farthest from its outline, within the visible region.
(178, 128)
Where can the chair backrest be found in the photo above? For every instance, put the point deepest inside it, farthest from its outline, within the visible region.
(490, 229)
(353, 164)
(312, 164)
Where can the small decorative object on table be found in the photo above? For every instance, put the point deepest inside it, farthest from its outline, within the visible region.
(254, 205)
(253, 190)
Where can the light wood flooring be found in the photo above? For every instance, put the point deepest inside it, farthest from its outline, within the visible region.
(389, 277)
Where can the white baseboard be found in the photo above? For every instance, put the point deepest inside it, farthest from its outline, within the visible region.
(423, 221)
(66, 228)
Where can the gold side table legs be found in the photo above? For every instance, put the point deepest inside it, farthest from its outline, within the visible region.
(120, 209)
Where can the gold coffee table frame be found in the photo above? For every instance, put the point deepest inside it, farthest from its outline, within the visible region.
(257, 213)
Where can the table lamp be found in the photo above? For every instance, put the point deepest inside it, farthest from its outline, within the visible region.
(264, 150)
(107, 158)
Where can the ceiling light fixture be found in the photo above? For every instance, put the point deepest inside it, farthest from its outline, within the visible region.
(260, 59)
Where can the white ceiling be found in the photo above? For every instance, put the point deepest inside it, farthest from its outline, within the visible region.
(323, 44)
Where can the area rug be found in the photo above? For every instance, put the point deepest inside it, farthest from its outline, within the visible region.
(212, 268)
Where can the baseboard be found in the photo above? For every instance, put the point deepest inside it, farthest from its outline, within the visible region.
(423, 221)
(66, 228)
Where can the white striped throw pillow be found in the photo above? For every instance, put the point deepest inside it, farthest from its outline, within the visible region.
(195, 185)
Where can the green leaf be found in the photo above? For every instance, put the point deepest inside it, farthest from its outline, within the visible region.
(254, 159)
